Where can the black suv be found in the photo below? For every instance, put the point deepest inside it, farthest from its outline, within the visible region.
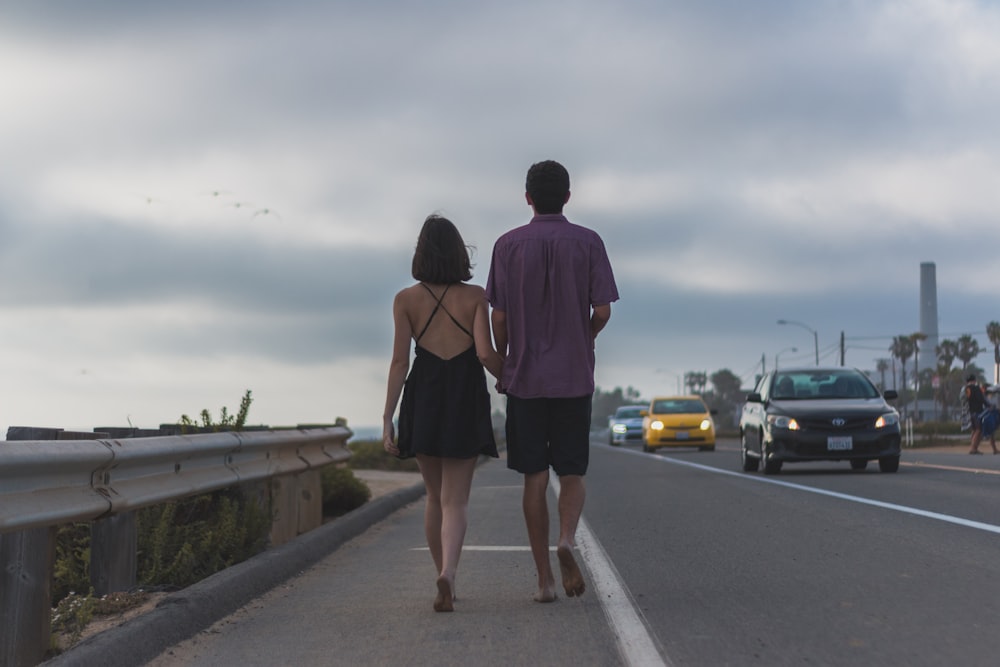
(818, 414)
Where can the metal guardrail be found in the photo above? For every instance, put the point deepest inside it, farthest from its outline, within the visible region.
(43, 482)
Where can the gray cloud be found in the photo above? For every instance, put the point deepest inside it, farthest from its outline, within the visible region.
(744, 162)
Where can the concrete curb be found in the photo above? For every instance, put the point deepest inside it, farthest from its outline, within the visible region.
(183, 614)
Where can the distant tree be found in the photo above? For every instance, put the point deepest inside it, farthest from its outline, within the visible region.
(604, 404)
(968, 349)
(993, 332)
(696, 381)
(727, 386)
(916, 339)
(947, 352)
(902, 349)
(882, 365)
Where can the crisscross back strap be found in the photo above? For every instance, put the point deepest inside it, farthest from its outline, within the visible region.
(442, 307)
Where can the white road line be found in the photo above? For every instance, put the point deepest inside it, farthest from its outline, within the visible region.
(635, 643)
(938, 466)
(978, 525)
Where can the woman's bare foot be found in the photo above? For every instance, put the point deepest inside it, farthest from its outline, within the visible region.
(444, 600)
(546, 595)
(572, 580)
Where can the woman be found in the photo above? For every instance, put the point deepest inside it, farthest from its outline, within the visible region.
(444, 417)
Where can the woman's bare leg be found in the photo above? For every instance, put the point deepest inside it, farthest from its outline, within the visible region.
(431, 470)
(456, 484)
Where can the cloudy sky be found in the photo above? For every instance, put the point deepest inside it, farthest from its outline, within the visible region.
(200, 198)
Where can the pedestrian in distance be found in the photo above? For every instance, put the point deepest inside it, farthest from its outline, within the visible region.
(445, 419)
(989, 418)
(550, 287)
(973, 401)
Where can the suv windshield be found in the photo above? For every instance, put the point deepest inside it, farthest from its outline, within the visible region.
(628, 413)
(822, 385)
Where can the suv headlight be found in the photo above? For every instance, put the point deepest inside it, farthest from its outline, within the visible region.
(781, 421)
(619, 428)
(888, 419)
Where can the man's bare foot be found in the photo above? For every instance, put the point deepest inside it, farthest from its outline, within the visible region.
(444, 600)
(572, 580)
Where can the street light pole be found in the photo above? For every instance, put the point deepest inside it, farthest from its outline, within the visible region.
(807, 328)
(787, 349)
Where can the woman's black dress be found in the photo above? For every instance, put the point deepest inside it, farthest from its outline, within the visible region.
(445, 408)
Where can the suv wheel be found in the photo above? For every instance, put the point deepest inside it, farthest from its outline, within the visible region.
(750, 463)
(888, 463)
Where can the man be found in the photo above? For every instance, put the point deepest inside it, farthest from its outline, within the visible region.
(973, 403)
(551, 287)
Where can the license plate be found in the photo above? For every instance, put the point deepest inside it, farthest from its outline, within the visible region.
(681, 435)
(839, 444)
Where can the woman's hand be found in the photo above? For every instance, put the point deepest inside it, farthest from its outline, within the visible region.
(389, 438)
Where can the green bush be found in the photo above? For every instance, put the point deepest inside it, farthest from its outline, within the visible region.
(371, 455)
(184, 541)
(342, 491)
(72, 566)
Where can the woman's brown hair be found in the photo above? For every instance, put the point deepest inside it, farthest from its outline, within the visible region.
(441, 256)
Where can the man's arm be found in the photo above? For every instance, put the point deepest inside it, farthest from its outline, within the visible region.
(599, 318)
(498, 318)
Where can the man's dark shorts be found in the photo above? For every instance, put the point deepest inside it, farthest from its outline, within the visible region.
(543, 432)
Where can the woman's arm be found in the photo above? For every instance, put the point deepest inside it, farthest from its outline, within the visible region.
(398, 367)
(488, 356)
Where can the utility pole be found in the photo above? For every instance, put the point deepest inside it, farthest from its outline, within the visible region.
(842, 350)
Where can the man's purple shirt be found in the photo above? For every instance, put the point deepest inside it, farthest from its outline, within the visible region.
(546, 276)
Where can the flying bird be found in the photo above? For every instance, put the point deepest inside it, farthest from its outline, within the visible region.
(266, 211)
(217, 193)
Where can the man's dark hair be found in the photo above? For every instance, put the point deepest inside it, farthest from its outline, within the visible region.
(441, 256)
(548, 186)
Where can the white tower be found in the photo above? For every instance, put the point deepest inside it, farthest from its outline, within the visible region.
(928, 315)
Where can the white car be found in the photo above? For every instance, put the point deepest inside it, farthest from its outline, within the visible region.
(625, 424)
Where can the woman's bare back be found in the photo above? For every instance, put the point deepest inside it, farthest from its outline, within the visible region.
(443, 336)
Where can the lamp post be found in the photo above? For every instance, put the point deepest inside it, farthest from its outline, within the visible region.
(787, 349)
(675, 375)
(807, 328)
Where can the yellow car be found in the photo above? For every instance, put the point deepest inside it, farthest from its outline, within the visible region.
(677, 421)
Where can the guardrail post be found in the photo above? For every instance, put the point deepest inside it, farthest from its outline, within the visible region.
(28, 557)
(297, 505)
(113, 547)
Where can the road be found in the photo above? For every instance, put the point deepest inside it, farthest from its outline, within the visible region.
(689, 562)
(818, 565)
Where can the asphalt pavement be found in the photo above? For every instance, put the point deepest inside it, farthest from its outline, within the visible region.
(359, 591)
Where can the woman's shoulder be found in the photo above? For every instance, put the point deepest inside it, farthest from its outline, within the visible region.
(407, 294)
(473, 291)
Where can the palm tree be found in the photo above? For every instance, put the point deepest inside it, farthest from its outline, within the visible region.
(993, 332)
(968, 349)
(696, 381)
(882, 365)
(916, 338)
(947, 352)
(902, 349)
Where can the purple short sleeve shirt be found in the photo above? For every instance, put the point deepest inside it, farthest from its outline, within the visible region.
(546, 276)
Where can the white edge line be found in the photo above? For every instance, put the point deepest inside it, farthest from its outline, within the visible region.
(635, 643)
(968, 523)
